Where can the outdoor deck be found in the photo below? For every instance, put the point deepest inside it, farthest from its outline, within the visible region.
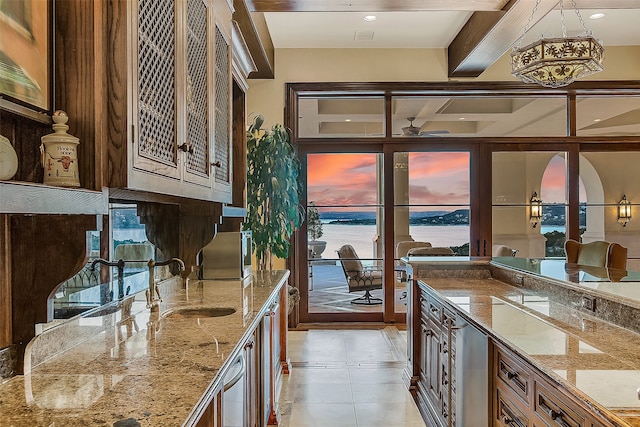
(329, 293)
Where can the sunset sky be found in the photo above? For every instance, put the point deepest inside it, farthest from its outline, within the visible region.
(435, 179)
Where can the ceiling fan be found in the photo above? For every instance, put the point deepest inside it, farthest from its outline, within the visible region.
(412, 130)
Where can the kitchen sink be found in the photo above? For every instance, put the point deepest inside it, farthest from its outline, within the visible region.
(198, 312)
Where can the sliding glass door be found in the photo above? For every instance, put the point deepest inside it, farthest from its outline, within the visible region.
(431, 209)
(344, 232)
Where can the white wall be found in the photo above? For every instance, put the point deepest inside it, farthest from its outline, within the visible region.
(391, 65)
(267, 97)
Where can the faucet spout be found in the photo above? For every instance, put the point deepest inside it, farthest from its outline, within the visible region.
(120, 265)
(153, 291)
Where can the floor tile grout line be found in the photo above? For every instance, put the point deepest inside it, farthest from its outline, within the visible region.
(392, 340)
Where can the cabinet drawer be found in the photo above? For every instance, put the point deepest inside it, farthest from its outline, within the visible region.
(514, 375)
(434, 310)
(508, 414)
(556, 410)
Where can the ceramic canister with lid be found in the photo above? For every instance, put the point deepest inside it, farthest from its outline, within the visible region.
(59, 153)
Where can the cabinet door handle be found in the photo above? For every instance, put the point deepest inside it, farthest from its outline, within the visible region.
(186, 147)
(511, 375)
(434, 309)
(243, 368)
(273, 310)
(216, 164)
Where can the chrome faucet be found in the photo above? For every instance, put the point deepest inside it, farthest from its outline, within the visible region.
(153, 290)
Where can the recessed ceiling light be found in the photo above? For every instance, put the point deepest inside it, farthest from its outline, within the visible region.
(596, 16)
(347, 120)
(461, 118)
(596, 120)
(370, 18)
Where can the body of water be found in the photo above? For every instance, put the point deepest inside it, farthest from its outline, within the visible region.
(135, 234)
(362, 237)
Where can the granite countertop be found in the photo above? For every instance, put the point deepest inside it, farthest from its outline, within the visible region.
(142, 366)
(595, 360)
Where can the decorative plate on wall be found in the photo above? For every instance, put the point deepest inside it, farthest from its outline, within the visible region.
(8, 159)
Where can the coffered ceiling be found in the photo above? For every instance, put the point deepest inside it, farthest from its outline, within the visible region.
(475, 33)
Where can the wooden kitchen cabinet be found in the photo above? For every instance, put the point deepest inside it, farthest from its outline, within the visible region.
(271, 362)
(212, 415)
(169, 88)
(264, 354)
(436, 360)
(525, 397)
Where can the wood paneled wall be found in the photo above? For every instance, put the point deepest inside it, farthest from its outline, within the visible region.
(45, 251)
(78, 87)
(5, 283)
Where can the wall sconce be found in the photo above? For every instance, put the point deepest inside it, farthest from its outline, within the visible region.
(624, 211)
(535, 213)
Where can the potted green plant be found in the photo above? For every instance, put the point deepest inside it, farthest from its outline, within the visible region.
(273, 191)
(314, 230)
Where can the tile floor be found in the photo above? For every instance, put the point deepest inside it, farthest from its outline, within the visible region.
(347, 378)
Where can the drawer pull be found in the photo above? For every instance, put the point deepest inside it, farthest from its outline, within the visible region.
(513, 377)
(434, 309)
(556, 416)
(507, 417)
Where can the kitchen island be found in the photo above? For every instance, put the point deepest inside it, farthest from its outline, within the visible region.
(127, 365)
(548, 356)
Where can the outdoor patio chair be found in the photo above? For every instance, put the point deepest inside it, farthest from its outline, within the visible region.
(360, 278)
(502, 250)
(596, 254)
(433, 251)
(402, 249)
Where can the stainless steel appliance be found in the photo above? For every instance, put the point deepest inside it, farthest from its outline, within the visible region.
(472, 377)
(228, 256)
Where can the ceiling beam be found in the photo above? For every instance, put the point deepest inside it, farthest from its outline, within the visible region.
(372, 5)
(604, 4)
(254, 29)
(488, 35)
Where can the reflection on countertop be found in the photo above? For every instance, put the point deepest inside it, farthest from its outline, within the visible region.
(599, 360)
(132, 362)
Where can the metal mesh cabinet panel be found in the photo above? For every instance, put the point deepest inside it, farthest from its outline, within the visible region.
(222, 108)
(197, 73)
(156, 80)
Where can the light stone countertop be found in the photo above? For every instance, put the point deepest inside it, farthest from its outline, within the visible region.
(594, 360)
(142, 367)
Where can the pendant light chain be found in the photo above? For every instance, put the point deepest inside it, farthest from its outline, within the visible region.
(564, 24)
(527, 26)
(584, 26)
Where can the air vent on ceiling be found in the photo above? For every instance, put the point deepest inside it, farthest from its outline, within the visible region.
(363, 35)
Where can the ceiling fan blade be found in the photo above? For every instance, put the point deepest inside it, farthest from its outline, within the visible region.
(434, 132)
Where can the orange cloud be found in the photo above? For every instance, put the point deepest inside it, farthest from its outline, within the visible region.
(350, 179)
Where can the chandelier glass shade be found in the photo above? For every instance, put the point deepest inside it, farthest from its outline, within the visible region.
(555, 62)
